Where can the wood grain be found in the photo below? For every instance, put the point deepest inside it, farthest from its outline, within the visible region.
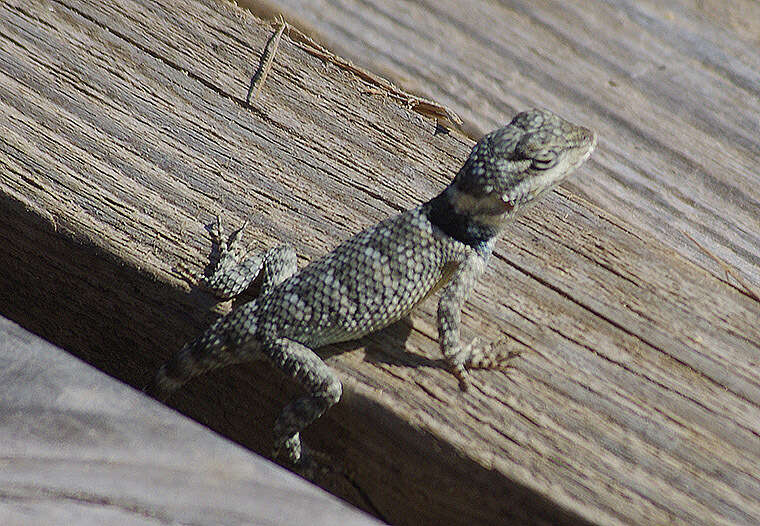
(80, 448)
(673, 89)
(636, 399)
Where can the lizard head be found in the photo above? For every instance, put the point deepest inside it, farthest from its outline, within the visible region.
(512, 167)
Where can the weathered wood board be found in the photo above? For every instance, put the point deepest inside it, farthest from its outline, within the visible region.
(79, 447)
(124, 130)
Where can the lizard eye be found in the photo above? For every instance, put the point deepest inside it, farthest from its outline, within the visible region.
(544, 160)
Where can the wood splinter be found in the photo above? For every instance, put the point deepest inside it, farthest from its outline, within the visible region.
(265, 64)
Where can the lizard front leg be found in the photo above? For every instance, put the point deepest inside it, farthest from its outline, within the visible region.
(474, 355)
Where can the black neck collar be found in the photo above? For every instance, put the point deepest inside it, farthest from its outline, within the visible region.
(461, 227)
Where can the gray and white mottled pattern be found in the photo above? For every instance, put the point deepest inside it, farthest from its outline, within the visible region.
(376, 277)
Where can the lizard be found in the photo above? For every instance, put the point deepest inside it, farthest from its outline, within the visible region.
(378, 276)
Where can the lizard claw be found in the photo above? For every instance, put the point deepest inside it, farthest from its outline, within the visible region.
(460, 373)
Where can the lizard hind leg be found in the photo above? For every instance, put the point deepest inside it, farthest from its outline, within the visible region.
(315, 376)
(235, 269)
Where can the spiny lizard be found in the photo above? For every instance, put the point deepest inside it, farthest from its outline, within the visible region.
(378, 276)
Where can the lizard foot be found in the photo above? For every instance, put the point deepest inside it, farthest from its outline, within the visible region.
(477, 355)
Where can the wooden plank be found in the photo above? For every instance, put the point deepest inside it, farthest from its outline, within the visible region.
(124, 131)
(672, 87)
(79, 447)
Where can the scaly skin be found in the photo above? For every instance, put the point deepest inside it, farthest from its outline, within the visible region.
(376, 277)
